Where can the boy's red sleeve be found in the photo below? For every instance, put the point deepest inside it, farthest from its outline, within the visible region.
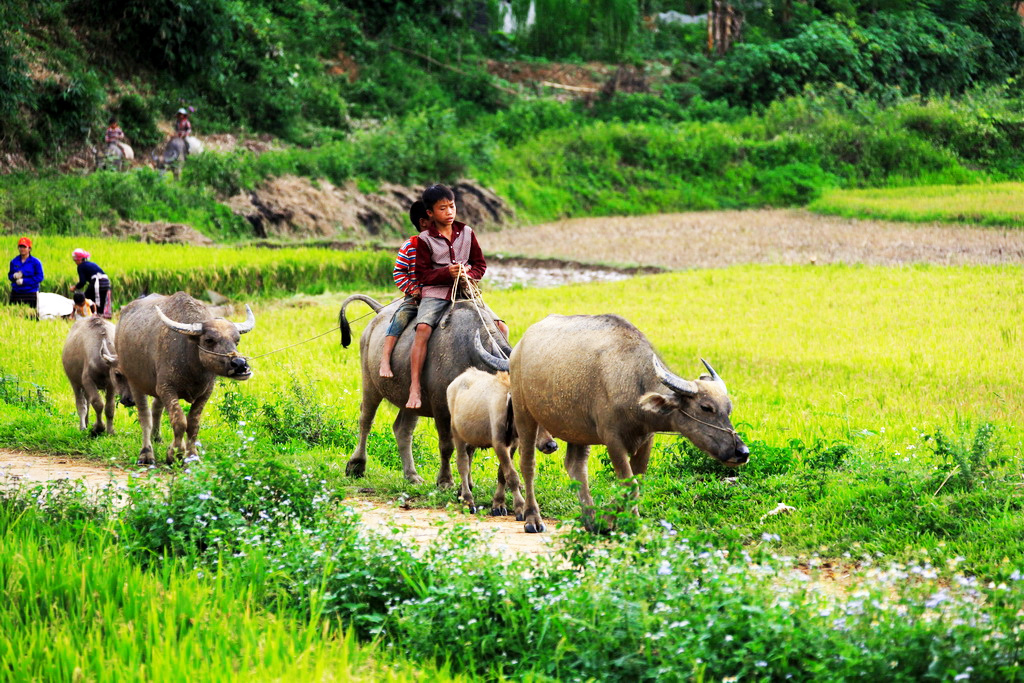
(477, 263)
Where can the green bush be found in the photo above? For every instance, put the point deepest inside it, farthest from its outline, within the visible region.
(136, 119)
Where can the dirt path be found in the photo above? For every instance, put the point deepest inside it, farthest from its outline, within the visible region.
(771, 236)
(421, 526)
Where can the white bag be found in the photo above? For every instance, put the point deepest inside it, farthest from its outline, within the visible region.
(49, 305)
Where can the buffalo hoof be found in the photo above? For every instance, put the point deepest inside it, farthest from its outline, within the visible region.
(97, 430)
(472, 508)
(442, 483)
(146, 457)
(355, 468)
(414, 478)
(520, 516)
(500, 511)
(532, 528)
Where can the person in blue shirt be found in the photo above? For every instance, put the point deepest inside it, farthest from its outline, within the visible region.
(25, 274)
(93, 282)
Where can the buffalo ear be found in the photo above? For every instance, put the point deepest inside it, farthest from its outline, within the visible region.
(661, 404)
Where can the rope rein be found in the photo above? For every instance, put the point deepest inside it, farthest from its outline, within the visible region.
(477, 298)
(283, 348)
(707, 424)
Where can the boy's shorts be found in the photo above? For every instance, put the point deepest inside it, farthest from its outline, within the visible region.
(403, 316)
(432, 310)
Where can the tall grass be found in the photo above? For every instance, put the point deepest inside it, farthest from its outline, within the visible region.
(995, 204)
(77, 607)
(247, 272)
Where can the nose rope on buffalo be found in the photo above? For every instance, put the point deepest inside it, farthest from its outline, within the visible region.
(477, 298)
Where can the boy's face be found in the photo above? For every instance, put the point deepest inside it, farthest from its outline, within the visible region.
(443, 213)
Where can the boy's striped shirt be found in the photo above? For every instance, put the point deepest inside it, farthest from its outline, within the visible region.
(405, 267)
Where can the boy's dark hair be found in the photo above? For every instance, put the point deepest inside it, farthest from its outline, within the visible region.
(435, 193)
(79, 298)
(112, 120)
(418, 212)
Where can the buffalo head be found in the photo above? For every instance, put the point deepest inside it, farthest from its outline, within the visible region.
(699, 410)
(217, 342)
(118, 381)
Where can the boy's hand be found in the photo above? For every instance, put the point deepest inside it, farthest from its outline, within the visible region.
(417, 293)
(454, 270)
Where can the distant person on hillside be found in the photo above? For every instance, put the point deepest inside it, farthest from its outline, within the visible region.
(405, 277)
(93, 282)
(447, 254)
(114, 133)
(182, 126)
(25, 274)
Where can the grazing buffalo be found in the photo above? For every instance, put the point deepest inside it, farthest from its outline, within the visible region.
(91, 368)
(450, 352)
(481, 409)
(595, 379)
(172, 348)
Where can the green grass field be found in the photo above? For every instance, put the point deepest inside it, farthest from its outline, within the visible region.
(994, 204)
(882, 404)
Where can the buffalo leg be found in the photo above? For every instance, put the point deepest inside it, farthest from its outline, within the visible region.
(92, 394)
(622, 459)
(195, 412)
(507, 478)
(145, 421)
(638, 461)
(82, 406)
(446, 447)
(158, 413)
(527, 428)
(108, 409)
(177, 417)
(356, 465)
(464, 463)
(403, 427)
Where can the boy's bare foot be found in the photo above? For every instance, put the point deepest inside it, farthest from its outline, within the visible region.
(414, 401)
(385, 368)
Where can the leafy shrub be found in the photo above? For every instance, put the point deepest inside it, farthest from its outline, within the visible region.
(136, 118)
(17, 392)
(791, 184)
(915, 52)
(222, 502)
(965, 459)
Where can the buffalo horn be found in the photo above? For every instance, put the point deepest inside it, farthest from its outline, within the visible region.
(488, 358)
(683, 387)
(193, 329)
(250, 321)
(106, 354)
(714, 375)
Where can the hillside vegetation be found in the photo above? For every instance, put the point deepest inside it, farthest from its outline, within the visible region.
(812, 95)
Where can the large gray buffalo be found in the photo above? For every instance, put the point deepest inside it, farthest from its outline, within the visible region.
(595, 379)
(449, 354)
(172, 348)
(92, 367)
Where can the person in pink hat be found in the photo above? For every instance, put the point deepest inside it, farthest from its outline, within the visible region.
(93, 282)
(25, 274)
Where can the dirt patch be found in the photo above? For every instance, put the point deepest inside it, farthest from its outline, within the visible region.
(158, 232)
(293, 207)
(772, 236)
(421, 526)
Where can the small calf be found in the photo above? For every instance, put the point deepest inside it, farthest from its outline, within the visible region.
(91, 367)
(481, 410)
